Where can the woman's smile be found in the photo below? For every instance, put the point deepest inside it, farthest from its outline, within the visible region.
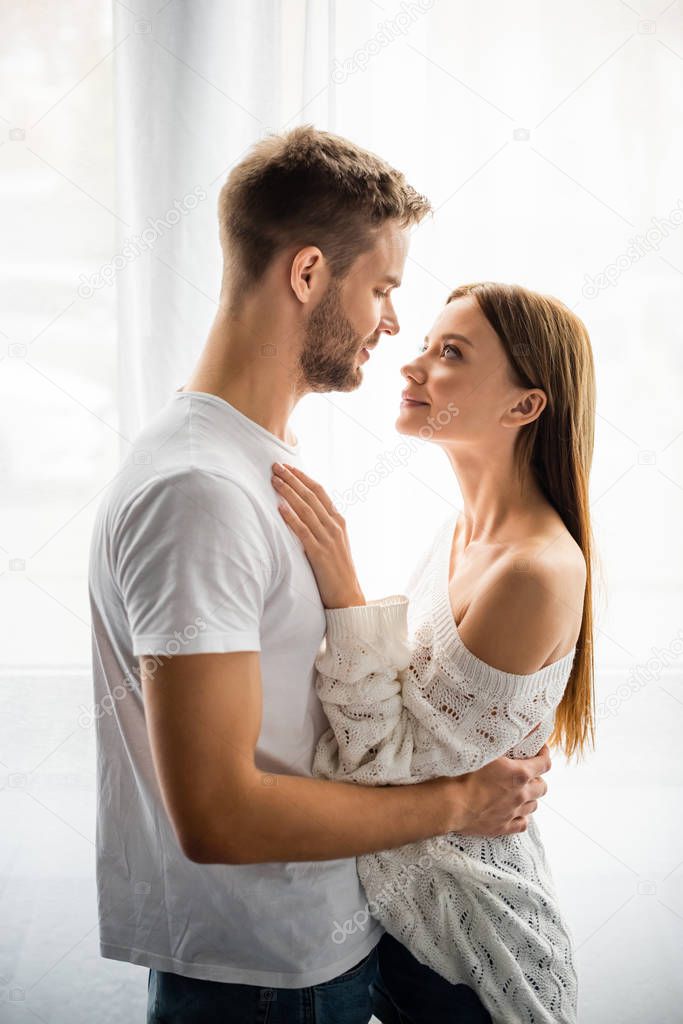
(409, 401)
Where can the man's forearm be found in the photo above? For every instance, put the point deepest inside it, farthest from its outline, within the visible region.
(290, 818)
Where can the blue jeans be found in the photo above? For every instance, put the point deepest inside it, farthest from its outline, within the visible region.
(389, 983)
(174, 999)
(404, 991)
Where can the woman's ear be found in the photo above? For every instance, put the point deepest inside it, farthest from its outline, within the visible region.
(527, 409)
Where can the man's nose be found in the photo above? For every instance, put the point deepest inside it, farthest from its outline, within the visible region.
(389, 325)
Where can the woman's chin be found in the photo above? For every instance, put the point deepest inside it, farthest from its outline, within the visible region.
(403, 427)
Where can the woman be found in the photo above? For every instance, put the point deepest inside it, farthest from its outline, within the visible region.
(489, 652)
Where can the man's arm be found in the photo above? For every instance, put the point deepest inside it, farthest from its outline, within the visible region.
(203, 714)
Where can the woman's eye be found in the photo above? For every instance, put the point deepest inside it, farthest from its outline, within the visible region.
(423, 348)
(381, 295)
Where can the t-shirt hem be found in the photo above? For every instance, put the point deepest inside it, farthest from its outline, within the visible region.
(204, 643)
(240, 975)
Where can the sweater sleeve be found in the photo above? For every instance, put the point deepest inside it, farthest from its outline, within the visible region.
(400, 714)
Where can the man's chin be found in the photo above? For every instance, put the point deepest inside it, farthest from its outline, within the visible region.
(352, 379)
(341, 378)
(350, 382)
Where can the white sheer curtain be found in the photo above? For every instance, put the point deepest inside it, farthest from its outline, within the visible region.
(195, 88)
(537, 140)
(548, 138)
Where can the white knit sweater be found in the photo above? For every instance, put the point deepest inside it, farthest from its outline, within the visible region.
(479, 911)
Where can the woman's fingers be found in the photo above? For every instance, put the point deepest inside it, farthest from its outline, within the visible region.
(302, 498)
(317, 489)
(301, 488)
(298, 528)
(302, 509)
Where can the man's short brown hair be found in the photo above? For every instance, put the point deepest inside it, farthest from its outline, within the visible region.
(308, 187)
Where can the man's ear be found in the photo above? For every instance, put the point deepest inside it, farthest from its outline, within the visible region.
(309, 274)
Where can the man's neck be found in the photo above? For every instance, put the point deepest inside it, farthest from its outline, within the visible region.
(253, 370)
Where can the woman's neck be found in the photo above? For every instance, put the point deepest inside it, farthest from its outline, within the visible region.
(497, 506)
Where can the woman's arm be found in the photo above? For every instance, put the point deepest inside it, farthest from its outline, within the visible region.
(398, 716)
(370, 740)
(393, 719)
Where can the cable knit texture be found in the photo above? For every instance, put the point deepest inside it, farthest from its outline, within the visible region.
(407, 702)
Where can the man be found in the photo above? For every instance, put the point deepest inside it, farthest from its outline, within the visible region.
(222, 865)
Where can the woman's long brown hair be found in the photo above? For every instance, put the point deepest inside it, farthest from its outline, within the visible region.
(548, 348)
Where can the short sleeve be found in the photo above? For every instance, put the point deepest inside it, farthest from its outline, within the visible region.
(193, 564)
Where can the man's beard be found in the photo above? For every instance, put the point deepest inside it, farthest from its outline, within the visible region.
(328, 360)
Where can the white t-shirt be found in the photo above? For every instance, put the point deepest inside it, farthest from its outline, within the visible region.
(190, 554)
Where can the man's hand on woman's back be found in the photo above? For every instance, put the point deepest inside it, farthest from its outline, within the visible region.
(498, 798)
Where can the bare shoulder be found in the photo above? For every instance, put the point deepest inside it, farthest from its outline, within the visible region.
(529, 614)
(562, 564)
(552, 556)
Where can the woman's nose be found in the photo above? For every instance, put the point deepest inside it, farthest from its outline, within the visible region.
(414, 371)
